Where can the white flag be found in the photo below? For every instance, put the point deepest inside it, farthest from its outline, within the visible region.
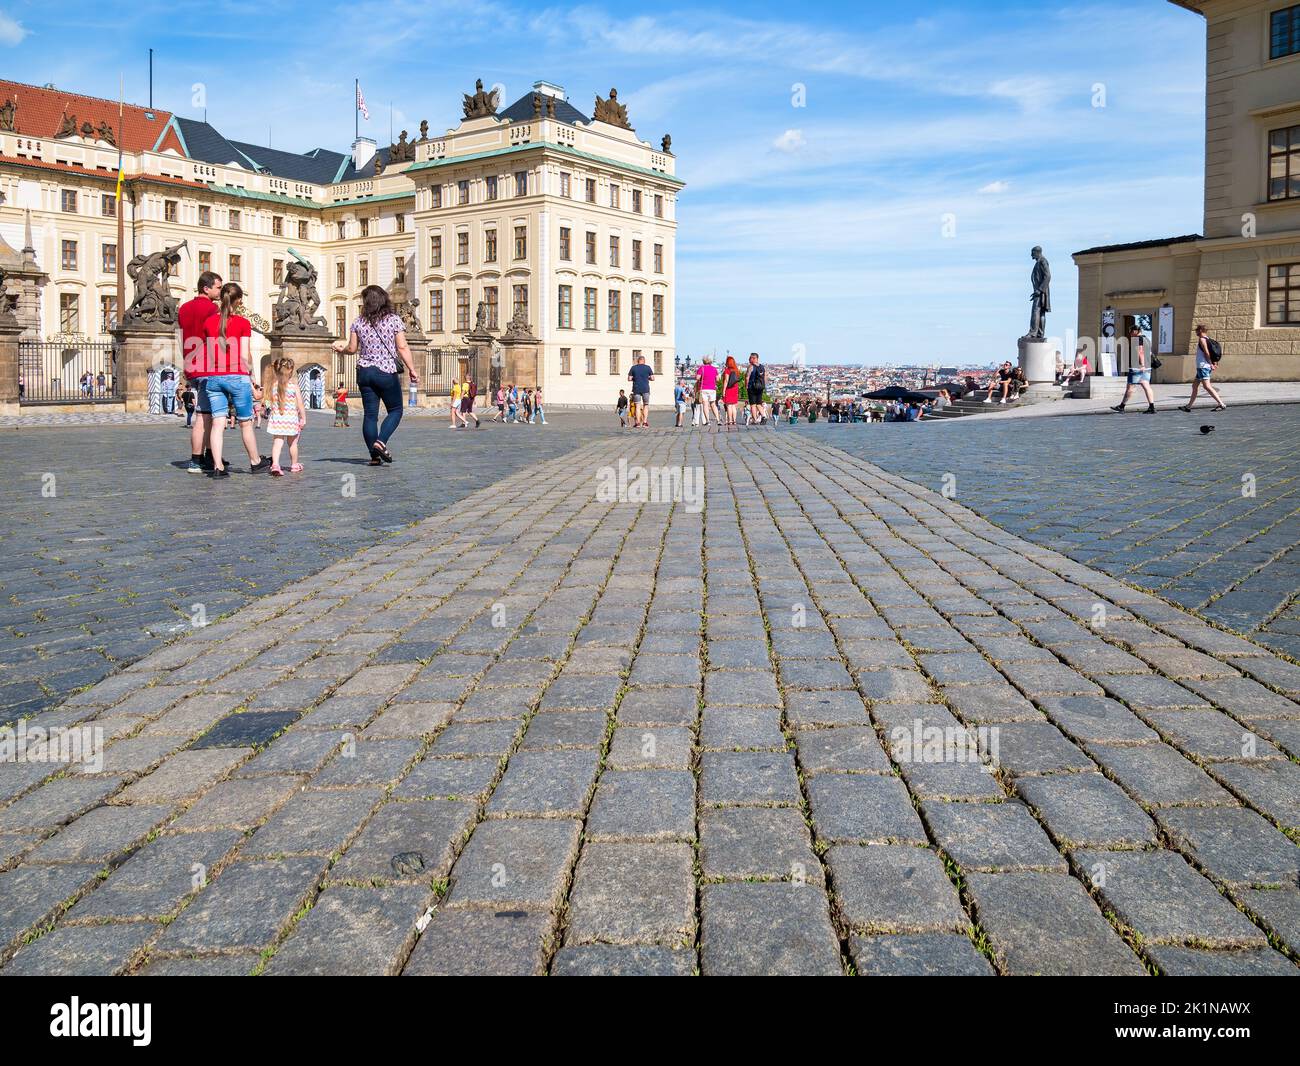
(361, 104)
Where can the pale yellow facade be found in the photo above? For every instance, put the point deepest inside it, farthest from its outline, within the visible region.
(1249, 235)
(242, 223)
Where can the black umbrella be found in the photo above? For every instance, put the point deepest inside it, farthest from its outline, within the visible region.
(897, 392)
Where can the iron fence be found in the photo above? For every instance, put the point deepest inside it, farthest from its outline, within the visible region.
(65, 372)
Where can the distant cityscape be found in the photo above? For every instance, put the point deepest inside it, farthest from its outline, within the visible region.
(844, 382)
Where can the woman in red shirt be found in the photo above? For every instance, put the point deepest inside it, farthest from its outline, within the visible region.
(731, 390)
(228, 338)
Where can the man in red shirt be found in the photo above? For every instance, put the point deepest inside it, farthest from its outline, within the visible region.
(191, 316)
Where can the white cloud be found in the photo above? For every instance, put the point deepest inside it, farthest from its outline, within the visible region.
(994, 188)
(11, 30)
(789, 141)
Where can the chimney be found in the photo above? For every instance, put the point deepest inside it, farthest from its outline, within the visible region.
(549, 88)
(363, 150)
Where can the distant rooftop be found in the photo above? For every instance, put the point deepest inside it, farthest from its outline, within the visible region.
(1139, 245)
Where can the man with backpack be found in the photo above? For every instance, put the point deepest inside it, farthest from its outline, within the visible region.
(755, 381)
(1208, 354)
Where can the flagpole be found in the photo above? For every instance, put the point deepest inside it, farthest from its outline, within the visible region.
(121, 229)
(356, 111)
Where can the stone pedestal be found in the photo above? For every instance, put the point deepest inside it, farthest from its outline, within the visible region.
(520, 363)
(1038, 361)
(10, 330)
(419, 346)
(305, 348)
(139, 349)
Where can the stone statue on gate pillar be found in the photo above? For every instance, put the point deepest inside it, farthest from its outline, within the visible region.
(154, 305)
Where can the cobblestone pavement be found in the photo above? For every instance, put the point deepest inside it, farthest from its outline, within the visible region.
(831, 723)
(1148, 499)
(103, 571)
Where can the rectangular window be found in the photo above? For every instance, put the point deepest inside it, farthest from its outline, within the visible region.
(613, 361)
(277, 225)
(490, 182)
(234, 220)
(566, 360)
(591, 360)
(1284, 32)
(399, 223)
(659, 207)
(565, 304)
(169, 210)
(69, 255)
(234, 269)
(340, 275)
(205, 215)
(657, 313)
(108, 259)
(108, 205)
(613, 195)
(589, 314)
(636, 200)
(436, 192)
(364, 224)
(591, 248)
(462, 191)
(636, 255)
(521, 242)
(566, 243)
(343, 233)
(659, 258)
(277, 271)
(363, 273)
(521, 183)
(69, 313)
(435, 250)
(435, 310)
(636, 312)
(1284, 294)
(1284, 163)
(68, 200)
(302, 229)
(613, 251)
(519, 304)
(399, 266)
(340, 321)
(205, 262)
(659, 362)
(107, 313)
(566, 189)
(462, 309)
(462, 248)
(490, 300)
(615, 310)
(591, 190)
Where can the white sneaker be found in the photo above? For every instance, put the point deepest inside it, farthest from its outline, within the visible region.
(988, 399)
(1003, 400)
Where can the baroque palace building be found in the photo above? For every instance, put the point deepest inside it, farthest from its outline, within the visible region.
(536, 212)
(1241, 275)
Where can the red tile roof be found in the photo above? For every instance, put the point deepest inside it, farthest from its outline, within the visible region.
(40, 113)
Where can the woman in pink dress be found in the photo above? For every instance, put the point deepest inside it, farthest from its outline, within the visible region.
(731, 390)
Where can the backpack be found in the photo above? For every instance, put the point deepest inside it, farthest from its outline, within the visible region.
(1216, 350)
(759, 377)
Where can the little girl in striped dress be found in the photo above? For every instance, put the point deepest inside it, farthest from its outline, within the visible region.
(288, 416)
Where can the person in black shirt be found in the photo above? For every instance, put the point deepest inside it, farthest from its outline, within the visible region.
(1002, 383)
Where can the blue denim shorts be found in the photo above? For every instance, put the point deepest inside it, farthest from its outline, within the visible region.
(201, 395)
(1139, 373)
(230, 390)
(1203, 373)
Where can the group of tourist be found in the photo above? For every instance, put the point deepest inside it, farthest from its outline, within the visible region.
(712, 397)
(521, 407)
(216, 342)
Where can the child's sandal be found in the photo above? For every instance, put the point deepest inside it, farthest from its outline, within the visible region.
(276, 472)
(296, 468)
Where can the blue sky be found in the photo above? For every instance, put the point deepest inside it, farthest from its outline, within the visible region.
(888, 218)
